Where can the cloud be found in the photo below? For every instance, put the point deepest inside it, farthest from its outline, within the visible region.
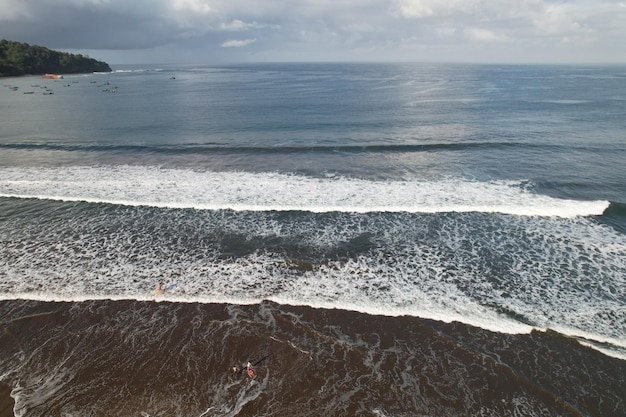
(558, 19)
(322, 29)
(238, 25)
(237, 43)
(483, 35)
(425, 8)
(195, 6)
(13, 10)
(504, 20)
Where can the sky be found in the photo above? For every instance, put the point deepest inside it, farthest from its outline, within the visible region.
(233, 31)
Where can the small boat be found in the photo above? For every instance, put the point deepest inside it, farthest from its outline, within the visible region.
(52, 76)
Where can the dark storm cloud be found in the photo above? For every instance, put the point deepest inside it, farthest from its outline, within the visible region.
(91, 25)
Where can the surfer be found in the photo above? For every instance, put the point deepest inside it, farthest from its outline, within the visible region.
(250, 371)
(159, 290)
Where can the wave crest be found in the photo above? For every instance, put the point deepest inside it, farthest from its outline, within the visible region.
(244, 191)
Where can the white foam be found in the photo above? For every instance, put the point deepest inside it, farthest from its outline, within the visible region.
(564, 101)
(495, 272)
(243, 191)
(442, 283)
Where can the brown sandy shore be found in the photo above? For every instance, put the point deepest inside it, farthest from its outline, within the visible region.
(6, 402)
(130, 358)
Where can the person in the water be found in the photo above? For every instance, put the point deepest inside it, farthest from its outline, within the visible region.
(159, 290)
(250, 371)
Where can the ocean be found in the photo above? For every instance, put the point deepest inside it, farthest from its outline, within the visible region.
(376, 239)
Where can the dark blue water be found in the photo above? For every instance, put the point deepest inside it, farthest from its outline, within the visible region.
(492, 195)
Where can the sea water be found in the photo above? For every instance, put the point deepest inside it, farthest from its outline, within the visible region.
(491, 195)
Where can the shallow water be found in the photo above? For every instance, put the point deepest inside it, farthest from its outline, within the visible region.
(164, 359)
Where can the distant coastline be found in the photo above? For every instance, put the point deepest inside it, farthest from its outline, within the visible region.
(23, 59)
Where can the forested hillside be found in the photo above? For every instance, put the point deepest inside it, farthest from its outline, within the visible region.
(21, 59)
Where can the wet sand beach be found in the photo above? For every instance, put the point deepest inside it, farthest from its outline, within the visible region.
(102, 358)
(6, 402)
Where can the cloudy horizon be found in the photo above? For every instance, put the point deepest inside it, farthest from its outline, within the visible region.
(226, 31)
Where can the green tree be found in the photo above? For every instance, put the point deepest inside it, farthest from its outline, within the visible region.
(21, 58)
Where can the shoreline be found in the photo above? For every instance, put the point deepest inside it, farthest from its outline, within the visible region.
(605, 346)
